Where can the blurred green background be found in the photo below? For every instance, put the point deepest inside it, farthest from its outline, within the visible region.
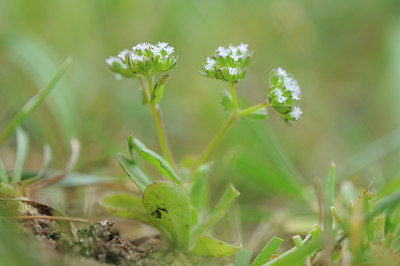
(345, 55)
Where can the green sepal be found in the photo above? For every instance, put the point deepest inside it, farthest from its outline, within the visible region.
(125, 206)
(159, 89)
(211, 247)
(156, 160)
(168, 205)
(134, 172)
(219, 74)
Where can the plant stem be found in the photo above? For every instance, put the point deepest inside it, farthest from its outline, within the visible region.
(232, 118)
(234, 97)
(159, 123)
(253, 108)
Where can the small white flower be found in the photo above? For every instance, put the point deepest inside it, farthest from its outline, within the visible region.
(210, 61)
(110, 61)
(291, 85)
(236, 57)
(243, 47)
(234, 49)
(223, 52)
(162, 45)
(280, 97)
(137, 58)
(156, 51)
(169, 50)
(142, 47)
(210, 64)
(281, 72)
(296, 113)
(233, 71)
(123, 54)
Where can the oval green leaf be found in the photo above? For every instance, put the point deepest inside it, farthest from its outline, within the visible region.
(168, 205)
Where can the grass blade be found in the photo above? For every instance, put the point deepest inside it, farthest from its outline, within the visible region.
(294, 255)
(22, 151)
(34, 102)
(3, 174)
(243, 257)
(267, 251)
(329, 199)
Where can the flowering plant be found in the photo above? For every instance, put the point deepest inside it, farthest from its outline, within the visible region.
(173, 202)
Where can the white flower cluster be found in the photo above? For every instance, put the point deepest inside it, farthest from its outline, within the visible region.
(228, 63)
(285, 91)
(143, 58)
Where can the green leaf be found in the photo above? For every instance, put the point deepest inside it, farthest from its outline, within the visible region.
(267, 251)
(243, 257)
(199, 192)
(22, 151)
(125, 206)
(226, 202)
(3, 174)
(211, 247)
(159, 89)
(168, 205)
(329, 199)
(258, 114)
(35, 101)
(227, 101)
(156, 160)
(134, 172)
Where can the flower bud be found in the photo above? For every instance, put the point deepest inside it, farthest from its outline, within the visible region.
(228, 64)
(284, 94)
(143, 59)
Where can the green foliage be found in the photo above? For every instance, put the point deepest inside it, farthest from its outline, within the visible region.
(134, 172)
(267, 251)
(34, 102)
(211, 247)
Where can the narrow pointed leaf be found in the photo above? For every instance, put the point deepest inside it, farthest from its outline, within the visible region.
(156, 160)
(226, 202)
(199, 192)
(168, 206)
(22, 151)
(134, 172)
(159, 89)
(267, 251)
(35, 101)
(211, 247)
(125, 206)
(243, 257)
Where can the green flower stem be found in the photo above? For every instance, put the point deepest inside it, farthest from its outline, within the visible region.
(159, 123)
(234, 97)
(232, 118)
(253, 108)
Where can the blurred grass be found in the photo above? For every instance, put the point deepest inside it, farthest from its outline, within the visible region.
(344, 54)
